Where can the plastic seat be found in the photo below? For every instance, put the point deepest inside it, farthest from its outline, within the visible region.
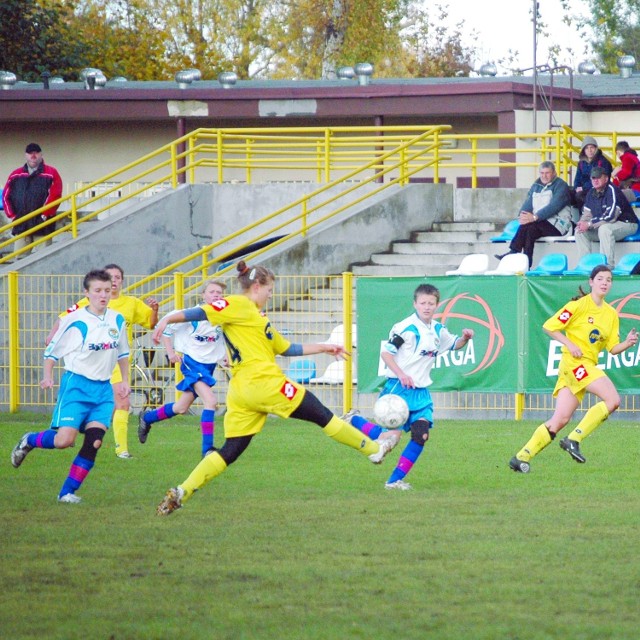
(634, 237)
(553, 264)
(475, 264)
(334, 374)
(626, 264)
(337, 335)
(302, 370)
(510, 230)
(586, 264)
(511, 265)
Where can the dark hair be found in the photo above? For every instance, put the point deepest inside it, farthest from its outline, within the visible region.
(594, 272)
(95, 274)
(426, 289)
(623, 146)
(248, 275)
(115, 266)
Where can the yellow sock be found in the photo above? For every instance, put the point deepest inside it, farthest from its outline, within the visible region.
(344, 433)
(538, 441)
(210, 467)
(119, 425)
(591, 421)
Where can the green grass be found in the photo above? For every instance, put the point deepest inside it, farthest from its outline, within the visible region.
(299, 540)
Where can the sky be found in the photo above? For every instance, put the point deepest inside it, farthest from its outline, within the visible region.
(507, 24)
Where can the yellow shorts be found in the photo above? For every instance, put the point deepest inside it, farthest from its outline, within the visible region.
(252, 396)
(576, 374)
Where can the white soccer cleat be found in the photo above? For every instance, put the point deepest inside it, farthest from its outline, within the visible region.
(20, 451)
(70, 498)
(347, 416)
(400, 485)
(171, 502)
(125, 455)
(386, 441)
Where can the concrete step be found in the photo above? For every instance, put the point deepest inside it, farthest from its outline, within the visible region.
(468, 225)
(397, 270)
(442, 248)
(466, 235)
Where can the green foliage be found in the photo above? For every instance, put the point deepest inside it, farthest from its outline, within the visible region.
(299, 539)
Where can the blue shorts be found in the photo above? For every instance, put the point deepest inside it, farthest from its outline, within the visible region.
(81, 401)
(194, 371)
(419, 401)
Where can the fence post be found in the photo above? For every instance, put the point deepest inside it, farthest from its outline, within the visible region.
(14, 400)
(347, 320)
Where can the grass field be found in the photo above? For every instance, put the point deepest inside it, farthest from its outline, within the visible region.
(299, 540)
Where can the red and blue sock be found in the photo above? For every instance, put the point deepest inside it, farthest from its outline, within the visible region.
(207, 426)
(42, 440)
(369, 429)
(407, 459)
(164, 412)
(79, 470)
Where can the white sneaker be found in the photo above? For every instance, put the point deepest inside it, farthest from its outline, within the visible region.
(70, 498)
(20, 451)
(125, 455)
(347, 416)
(171, 502)
(398, 484)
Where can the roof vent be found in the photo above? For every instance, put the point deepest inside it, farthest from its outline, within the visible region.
(586, 68)
(93, 78)
(346, 73)
(7, 79)
(364, 71)
(626, 64)
(227, 79)
(186, 77)
(56, 80)
(488, 69)
(119, 80)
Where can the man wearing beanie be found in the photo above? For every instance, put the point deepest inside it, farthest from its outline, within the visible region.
(28, 188)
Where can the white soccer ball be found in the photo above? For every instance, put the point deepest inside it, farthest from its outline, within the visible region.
(390, 411)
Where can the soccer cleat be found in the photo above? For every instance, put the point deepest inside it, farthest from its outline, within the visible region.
(208, 452)
(386, 444)
(20, 451)
(143, 428)
(125, 455)
(70, 498)
(572, 447)
(171, 502)
(401, 485)
(347, 416)
(519, 465)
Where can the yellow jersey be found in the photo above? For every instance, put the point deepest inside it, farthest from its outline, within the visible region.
(589, 326)
(252, 343)
(134, 310)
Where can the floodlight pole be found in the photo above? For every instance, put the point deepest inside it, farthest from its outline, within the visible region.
(535, 65)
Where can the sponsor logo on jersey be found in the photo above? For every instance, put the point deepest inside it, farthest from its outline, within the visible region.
(206, 338)
(220, 305)
(102, 346)
(594, 336)
(289, 390)
(565, 316)
(580, 373)
(113, 333)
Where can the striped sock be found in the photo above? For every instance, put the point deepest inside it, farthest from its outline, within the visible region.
(368, 428)
(161, 413)
(408, 458)
(42, 440)
(79, 470)
(207, 425)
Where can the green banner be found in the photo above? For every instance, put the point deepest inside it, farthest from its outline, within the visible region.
(509, 352)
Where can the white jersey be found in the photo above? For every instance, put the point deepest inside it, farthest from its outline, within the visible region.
(91, 345)
(200, 340)
(415, 346)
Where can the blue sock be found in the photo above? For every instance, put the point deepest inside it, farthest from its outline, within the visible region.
(79, 470)
(369, 429)
(42, 440)
(161, 413)
(207, 428)
(407, 459)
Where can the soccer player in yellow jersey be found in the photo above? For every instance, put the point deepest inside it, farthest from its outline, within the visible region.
(258, 386)
(135, 312)
(584, 326)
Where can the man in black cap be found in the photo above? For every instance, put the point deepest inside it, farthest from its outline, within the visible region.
(28, 188)
(606, 217)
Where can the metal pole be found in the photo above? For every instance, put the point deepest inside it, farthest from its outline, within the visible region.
(535, 65)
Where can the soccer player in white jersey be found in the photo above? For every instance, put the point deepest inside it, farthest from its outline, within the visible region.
(409, 356)
(90, 341)
(198, 346)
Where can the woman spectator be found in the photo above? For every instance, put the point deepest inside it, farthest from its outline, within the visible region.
(590, 156)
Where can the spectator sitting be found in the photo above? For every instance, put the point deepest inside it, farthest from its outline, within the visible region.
(545, 212)
(606, 217)
(590, 156)
(627, 175)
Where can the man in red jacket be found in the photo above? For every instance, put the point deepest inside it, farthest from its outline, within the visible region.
(28, 188)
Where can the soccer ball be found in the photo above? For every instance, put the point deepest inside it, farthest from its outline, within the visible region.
(390, 411)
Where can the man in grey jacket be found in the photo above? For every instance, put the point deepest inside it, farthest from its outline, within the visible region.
(545, 212)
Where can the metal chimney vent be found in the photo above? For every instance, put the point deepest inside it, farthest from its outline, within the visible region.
(7, 79)
(488, 69)
(227, 79)
(346, 73)
(626, 64)
(364, 71)
(186, 77)
(586, 68)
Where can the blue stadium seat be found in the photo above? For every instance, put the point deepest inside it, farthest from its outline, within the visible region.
(634, 237)
(626, 264)
(510, 230)
(302, 370)
(553, 264)
(586, 264)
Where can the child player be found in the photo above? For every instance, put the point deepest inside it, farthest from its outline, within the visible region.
(91, 341)
(198, 346)
(409, 355)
